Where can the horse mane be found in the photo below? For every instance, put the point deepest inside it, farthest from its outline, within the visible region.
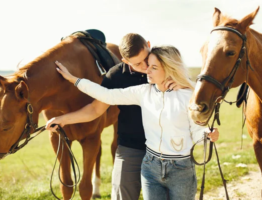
(21, 74)
(76, 34)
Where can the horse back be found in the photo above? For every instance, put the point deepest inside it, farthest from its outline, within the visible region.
(80, 62)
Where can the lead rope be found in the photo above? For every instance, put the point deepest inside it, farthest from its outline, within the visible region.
(204, 169)
(66, 141)
(217, 103)
(216, 118)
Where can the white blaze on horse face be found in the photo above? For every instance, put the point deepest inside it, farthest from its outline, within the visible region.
(214, 40)
(197, 86)
(2, 103)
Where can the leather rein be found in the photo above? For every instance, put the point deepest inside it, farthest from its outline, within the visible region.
(225, 89)
(63, 140)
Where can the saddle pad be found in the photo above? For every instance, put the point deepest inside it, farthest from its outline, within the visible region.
(242, 92)
(98, 46)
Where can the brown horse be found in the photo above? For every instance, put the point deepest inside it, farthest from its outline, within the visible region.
(39, 83)
(221, 54)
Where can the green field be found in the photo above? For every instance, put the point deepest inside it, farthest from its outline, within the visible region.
(26, 174)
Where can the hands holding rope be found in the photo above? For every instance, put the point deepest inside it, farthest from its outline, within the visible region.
(214, 135)
(52, 124)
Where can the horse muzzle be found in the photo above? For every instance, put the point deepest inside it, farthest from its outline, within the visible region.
(199, 113)
(3, 155)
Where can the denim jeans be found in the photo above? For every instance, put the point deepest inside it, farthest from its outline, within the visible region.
(163, 178)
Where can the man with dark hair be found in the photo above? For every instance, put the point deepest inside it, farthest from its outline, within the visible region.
(126, 184)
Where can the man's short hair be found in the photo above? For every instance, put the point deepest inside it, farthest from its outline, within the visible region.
(131, 45)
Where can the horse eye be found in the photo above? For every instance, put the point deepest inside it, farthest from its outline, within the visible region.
(230, 53)
(7, 129)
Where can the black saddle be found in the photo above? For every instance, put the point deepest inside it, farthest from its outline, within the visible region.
(242, 94)
(97, 34)
(95, 41)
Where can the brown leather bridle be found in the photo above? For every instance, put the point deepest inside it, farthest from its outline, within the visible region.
(25, 134)
(63, 140)
(225, 86)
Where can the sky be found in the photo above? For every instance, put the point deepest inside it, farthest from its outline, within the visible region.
(30, 27)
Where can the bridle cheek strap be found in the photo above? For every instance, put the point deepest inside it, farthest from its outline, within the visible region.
(25, 134)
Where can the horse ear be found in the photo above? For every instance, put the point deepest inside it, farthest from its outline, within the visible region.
(21, 91)
(216, 17)
(247, 20)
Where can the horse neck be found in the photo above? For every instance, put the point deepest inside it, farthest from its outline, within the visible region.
(47, 88)
(41, 83)
(254, 47)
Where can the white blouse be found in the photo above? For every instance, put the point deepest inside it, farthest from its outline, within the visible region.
(169, 130)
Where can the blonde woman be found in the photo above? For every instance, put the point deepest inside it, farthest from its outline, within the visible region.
(167, 168)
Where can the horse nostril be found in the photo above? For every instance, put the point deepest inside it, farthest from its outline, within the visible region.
(198, 107)
(202, 107)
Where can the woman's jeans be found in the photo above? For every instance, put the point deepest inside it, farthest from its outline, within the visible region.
(163, 178)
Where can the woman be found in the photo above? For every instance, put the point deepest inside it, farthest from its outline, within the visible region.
(167, 168)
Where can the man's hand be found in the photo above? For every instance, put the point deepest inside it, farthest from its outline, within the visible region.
(55, 120)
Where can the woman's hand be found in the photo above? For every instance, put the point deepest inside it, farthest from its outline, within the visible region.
(65, 73)
(214, 135)
(55, 120)
(172, 85)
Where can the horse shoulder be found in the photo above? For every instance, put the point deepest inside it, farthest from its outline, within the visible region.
(114, 49)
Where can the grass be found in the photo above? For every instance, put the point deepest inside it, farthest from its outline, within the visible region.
(26, 174)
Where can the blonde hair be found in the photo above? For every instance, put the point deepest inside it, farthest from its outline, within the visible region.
(173, 65)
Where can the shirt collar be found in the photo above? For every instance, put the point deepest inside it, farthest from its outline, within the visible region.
(127, 69)
(130, 70)
(157, 90)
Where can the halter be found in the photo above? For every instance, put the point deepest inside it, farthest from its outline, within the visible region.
(225, 86)
(26, 133)
(230, 79)
(63, 140)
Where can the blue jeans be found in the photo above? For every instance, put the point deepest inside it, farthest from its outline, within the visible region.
(163, 178)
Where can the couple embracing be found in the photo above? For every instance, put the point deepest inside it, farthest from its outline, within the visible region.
(152, 89)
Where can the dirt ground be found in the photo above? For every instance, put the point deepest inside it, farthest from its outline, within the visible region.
(246, 188)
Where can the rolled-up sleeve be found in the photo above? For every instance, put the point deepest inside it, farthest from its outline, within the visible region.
(126, 96)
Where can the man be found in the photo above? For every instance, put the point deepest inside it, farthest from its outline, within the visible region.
(126, 184)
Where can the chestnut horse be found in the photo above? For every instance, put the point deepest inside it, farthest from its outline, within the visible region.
(231, 56)
(39, 83)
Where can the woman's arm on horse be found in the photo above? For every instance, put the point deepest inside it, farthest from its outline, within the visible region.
(126, 96)
(86, 114)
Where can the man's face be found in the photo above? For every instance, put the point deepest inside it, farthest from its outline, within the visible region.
(139, 63)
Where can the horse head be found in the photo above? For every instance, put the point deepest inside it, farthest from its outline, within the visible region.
(13, 112)
(220, 56)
